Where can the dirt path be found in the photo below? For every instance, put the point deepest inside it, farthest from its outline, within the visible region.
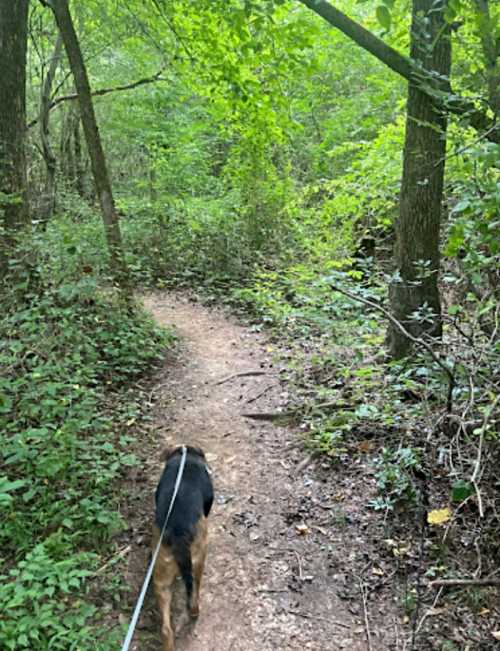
(277, 573)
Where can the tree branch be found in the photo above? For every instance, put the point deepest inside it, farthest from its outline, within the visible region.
(102, 91)
(408, 335)
(437, 88)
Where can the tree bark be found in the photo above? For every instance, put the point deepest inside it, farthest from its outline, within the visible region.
(94, 145)
(67, 162)
(14, 213)
(415, 287)
(439, 90)
(48, 202)
(78, 157)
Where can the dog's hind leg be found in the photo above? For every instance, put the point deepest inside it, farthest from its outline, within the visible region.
(198, 555)
(164, 575)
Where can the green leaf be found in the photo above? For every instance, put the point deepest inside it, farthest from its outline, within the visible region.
(384, 17)
(461, 490)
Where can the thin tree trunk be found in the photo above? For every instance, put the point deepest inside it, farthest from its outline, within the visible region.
(94, 145)
(14, 213)
(49, 197)
(66, 164)
(78, 156)
(417, 228)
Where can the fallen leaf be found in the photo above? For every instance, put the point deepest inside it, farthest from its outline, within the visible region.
(378, 571)
(496, 635)
(439, 516)
(302, 529)
(365, 446)
(400, 551)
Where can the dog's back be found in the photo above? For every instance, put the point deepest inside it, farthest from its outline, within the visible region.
(192, 505)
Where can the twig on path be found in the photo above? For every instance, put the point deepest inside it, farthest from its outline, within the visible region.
(365, 612)
(276, 415)
(305, 462)
(259, 395)
(299, 563)
(236, 375)
(297, 613)
(428, 611)
(123, 552)
(464, 583)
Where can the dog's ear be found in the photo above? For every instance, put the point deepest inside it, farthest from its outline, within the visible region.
(167, 453)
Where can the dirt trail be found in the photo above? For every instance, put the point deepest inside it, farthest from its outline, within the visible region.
(277, 571)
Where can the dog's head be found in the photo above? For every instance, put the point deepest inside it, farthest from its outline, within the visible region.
(171, 451)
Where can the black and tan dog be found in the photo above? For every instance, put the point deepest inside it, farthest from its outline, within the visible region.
(184, 545)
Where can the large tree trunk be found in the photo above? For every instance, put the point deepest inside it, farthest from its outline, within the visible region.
(48, 202)
(417, 228)
(13, 182)
(94, 145)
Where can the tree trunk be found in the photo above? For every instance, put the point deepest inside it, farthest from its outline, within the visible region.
(94, 145)
(78, 157)
(415, 289)
(48, 202)
(13, 180)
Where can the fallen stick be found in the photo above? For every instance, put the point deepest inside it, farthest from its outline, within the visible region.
(365, 614)
(276, 415)
(306, 461)
(317, 617)
(445, 583)
(243, 374)
(259, 395)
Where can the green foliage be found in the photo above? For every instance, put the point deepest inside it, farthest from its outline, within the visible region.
(395, 479)
(475, 215)
(66, 349)
(42, 596)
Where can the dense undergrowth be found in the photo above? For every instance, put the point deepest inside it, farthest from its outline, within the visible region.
(69, 352)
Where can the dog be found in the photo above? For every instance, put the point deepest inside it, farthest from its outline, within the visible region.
(184, 545)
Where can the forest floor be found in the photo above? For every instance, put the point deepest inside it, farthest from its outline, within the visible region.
(290, 564)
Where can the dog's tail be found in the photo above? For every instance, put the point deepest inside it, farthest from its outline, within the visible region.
(182, 555)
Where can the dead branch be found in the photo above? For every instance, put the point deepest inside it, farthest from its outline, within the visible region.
(260, 394)
(276, 415)
(236, 375)
(101, 91)
(305, 462)
(297, 613)
(464, 583)
(365, 613)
